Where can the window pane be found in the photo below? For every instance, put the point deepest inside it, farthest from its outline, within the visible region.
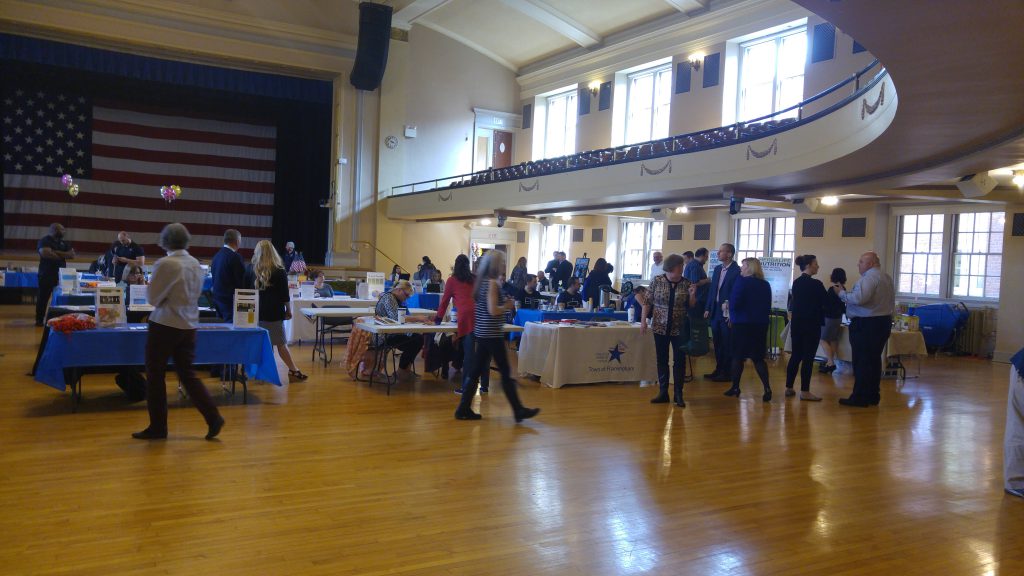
(656, 235)
(978, 254)
(910, 223)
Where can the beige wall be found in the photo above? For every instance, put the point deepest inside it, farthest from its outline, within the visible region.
(819, 76)
(1010, 336)
(593, 131)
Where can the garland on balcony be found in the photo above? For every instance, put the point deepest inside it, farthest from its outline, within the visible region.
(773, 149)
(645, 170)
(442, 198)
(869, 109)
(531, 187)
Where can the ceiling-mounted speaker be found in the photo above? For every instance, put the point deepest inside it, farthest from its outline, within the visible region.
(372, 52)
(974, 185)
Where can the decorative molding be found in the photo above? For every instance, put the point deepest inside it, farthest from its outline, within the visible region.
(531, 187)
(687, 6)
(442, 198)
(556, 20)
(644, 170)
(773, 149)
(870, 109)
(406, 17)
(484, 118)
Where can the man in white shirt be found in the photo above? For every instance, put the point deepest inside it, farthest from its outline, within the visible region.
(656, 266)
(870, 306)
(174, 290)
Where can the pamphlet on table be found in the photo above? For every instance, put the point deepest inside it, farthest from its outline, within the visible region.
(110, 308)
(247, 308)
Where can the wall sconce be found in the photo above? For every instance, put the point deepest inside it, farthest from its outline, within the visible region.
(830, 201)
(682, 210)
(566, 217)
(695, 60)
(485, 221)
(1018, 179)
(594, 87)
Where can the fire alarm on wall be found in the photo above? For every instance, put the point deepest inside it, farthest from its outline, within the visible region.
(410, 131)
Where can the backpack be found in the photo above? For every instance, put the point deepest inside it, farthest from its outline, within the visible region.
(698, 336)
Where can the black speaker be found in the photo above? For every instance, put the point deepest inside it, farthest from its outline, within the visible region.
(372, 54)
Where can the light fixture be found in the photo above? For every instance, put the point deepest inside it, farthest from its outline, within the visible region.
(594, 87)
(1018, 179)
(682, 210)
(830, 201)
(485, 222)
(695, 60)
(566, 217)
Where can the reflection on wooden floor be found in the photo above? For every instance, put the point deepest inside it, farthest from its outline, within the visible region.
(332, 477)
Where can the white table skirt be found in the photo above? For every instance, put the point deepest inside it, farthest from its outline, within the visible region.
(899, 344)
(300, 328)
(563, 354)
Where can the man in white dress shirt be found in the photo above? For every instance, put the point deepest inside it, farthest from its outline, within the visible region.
(656, 269)
(869, 306)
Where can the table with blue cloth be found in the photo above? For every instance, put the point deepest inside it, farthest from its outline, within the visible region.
(428, 301)
(59, 298)
(66, 355)
(524, 315)
(21, 280)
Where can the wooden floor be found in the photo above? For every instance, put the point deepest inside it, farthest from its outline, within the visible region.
(331, 477)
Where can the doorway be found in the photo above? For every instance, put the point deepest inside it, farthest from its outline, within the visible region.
(493, 139)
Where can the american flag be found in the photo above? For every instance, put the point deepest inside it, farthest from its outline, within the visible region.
(120, 155)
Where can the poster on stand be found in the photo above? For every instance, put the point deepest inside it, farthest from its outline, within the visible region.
(138, 296)
(247, 308)
(375, 282)
(779, 273)
(110, 311)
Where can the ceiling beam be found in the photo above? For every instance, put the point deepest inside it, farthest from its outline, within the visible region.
(558, 21)
(686, 6)
(406, 17)
(469, 44)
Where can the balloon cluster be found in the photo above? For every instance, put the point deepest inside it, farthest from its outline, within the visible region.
(69, 183)
(170, 193)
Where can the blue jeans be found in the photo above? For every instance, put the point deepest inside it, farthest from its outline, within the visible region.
(468, 356)
(661, 349)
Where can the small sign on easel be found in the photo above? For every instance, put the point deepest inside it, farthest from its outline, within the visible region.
(247, 308)
(110, 311)
(68, 280)
(138, 296)
(375, 282)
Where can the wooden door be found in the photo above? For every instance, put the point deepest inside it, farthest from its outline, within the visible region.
(501, 153)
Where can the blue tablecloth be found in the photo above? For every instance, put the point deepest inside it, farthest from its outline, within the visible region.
(524, 315)
(59, 298)
(21, 280)
(428, 301)
(215, 344)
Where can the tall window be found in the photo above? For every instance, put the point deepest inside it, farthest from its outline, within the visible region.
(556, 237)
(560, 132)
(966, 263)
(648, 101)
(758, 237)
(772, 74)
(639, 240)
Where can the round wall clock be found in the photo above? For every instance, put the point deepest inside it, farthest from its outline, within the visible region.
(391, 142)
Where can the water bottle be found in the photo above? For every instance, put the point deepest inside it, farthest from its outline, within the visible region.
(631, 315)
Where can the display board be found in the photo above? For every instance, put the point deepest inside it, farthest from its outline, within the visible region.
(247, 308)
(68, 280)
(110, 311)
(779, 273)
(375, 283)
(138, 295)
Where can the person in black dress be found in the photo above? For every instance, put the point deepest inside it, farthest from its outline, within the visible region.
(834, 310)
(267, 275)
(806, 308)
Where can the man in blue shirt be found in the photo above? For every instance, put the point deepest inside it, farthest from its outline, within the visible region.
(694, 272)
(124, 252)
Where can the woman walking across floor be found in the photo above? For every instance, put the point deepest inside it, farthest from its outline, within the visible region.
(667, 301)
(267, 275)
(807, 309)
(174, 289)
(459, 289)
(834, 310)
(749, 306)
(490, 306)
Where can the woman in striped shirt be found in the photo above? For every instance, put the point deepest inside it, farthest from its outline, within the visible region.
(488, 321)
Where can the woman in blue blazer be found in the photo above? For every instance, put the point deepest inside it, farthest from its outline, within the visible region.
(749, 306)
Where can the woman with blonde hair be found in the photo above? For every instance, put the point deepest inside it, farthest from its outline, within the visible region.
(749, 306)
(266, 274)
(488, 320)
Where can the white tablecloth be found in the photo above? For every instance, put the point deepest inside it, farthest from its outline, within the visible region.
(300, 328)
(899, 344)
(562, 354)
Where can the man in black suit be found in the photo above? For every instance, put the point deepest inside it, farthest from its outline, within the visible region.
(227, 270)
(718, 294)
(564, 273)
(552, 268)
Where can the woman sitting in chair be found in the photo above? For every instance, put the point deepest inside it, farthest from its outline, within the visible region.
(321, 288)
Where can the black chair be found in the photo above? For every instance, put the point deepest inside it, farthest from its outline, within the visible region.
(327, 329)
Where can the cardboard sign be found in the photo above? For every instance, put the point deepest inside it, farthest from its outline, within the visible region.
(68, 280)
(779, 273)
(110, 311)
(138, 296)
(247, 308)
(307, 290)
(375, 283)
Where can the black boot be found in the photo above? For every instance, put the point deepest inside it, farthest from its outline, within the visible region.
(734, 391)
(662, 397)
(465, 409)
(678, 396)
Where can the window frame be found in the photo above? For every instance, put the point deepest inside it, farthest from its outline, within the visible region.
(648, 245)
(654, 72)
(571, 111)
(769, 235)
(777, 38)
(565, 233)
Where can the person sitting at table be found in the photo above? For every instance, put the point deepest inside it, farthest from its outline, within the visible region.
(459, 289)
(543, 284)
(408, 344)
(528, 296)
(396, 271)
(266, 274)
(635, 301)
(750, 303)
(666, 302)
(490, 308)
(592, 285)
(133, 275)
(174, 289)
(571, 297)
(834, 310)
(436, 284)
(99, 266)
(321, 289)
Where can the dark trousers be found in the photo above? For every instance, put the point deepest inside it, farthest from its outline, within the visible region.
(225, 308)
(165, 343)
(46, 286)
(661, 350)
(468, 354)
(409, 346)
(805, 337)
(867, 340)
(722, 335)
(485, 350)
